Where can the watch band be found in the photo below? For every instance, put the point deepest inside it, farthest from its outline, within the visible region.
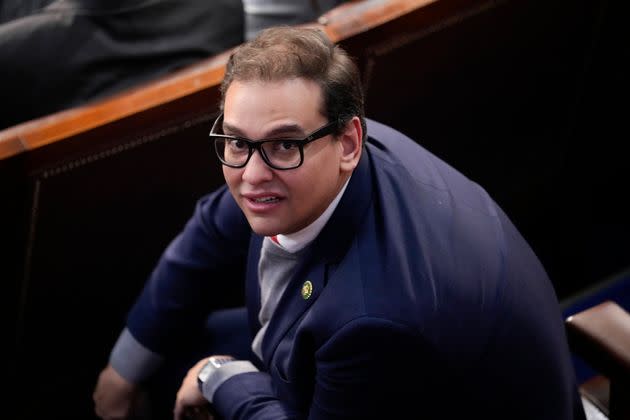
(213, 363)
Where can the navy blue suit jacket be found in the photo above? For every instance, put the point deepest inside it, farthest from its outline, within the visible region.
(426, 303)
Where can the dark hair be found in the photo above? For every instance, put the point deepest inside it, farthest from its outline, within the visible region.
(286, 52)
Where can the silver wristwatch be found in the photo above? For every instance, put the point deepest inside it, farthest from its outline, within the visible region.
(213, 363)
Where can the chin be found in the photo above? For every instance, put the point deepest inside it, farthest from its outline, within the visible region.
(264, 232)
(264, 228)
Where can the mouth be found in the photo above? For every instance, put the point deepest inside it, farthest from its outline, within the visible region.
(265, 200)
(262, 203)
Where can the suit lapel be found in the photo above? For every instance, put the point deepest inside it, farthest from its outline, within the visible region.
(252, 285)
(293, 304)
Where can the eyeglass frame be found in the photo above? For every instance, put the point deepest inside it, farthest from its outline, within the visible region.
(252, 145)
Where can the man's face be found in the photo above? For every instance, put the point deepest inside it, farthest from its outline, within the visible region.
(277, 201)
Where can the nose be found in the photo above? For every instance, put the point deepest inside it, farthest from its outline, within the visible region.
(257, 171)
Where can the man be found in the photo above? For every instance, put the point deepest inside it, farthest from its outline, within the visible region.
(380, 282)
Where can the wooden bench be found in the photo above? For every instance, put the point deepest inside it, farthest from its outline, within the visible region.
(92, 195)
(600, 335)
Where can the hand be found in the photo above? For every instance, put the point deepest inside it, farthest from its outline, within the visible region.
(190, 403)
(115, 397)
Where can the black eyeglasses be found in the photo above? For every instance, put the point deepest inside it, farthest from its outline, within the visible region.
(280, 154)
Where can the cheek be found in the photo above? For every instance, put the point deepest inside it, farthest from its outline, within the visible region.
(295, 185)
(312, 185)
(229, 175)
(232, 178)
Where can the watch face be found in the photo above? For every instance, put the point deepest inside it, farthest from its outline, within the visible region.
(205, 371)
(212, 364)
(220, 361)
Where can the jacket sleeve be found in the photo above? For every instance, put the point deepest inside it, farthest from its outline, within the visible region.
(201, 270)
(368, 369)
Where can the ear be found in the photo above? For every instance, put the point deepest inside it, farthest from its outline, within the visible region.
(351, 141)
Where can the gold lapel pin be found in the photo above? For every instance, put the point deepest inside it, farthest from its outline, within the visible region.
(307, 289)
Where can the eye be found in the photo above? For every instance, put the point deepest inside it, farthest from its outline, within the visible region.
(284, 146)
(288, 145)
(237, 144)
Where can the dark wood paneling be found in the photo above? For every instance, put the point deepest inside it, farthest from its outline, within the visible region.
(100, 209)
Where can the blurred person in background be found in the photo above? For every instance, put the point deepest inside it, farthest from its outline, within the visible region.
(73, 51)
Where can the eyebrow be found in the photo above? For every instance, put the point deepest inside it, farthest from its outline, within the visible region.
(287, 129)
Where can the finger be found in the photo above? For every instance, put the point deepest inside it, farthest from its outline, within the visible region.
(97, 410)
(179, 412)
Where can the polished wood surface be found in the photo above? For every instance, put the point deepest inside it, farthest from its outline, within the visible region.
(600, 335)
